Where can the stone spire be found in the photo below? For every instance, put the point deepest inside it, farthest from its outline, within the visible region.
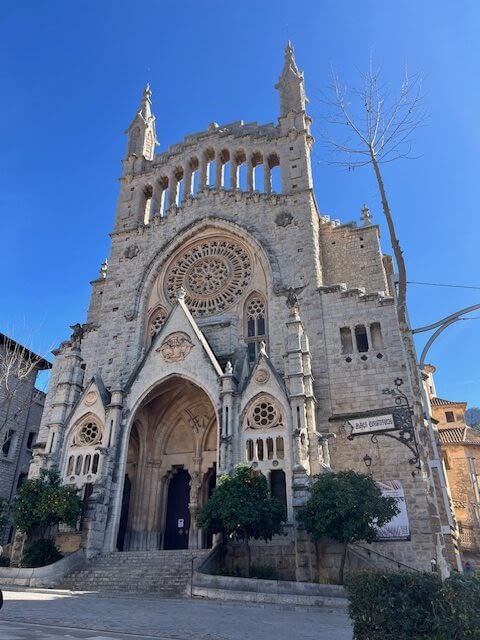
(291, 85)
(141, 132)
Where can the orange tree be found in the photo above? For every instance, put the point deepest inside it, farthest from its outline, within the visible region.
(241, 505)
(43, 502)
(347, 507)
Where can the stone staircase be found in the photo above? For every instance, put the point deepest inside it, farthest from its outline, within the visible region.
(166, 572)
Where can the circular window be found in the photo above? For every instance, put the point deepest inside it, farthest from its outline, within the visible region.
(264, 415)
(214, 274)
(88, 434)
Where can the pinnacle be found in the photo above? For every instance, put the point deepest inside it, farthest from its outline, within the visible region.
(290, 65)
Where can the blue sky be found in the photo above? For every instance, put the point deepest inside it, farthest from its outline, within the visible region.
(72, 74)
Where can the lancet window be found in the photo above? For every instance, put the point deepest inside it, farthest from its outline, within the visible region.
(255, 325)
(156, 322)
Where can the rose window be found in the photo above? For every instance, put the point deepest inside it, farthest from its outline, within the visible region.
(214, 274)
(264, 415)
(88, 434)
(208, 275)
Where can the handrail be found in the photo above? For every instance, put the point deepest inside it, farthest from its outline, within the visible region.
(397, 562)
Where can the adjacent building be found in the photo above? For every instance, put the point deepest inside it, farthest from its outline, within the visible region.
(460, 446)
(21, 407)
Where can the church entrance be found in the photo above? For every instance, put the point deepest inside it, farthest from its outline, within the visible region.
(177, 522)
(171, 469)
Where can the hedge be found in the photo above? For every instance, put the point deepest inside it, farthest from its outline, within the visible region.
(407, 605)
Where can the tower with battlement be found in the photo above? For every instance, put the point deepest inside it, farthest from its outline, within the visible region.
(233, 323)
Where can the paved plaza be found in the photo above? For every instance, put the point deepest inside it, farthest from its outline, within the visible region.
(30, 614)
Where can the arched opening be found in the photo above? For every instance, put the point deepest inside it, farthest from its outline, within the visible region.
(273, 180)
(162, 196)
(241, 170)
(209, 168)
(147, 203)
(171, 468)
(258, 178)
(224, 171)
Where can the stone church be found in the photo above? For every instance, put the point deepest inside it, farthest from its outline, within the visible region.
(232, 322)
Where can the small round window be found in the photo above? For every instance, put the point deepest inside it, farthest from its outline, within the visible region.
(88, 434)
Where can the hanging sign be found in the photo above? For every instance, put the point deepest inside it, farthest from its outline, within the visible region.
(372, 424)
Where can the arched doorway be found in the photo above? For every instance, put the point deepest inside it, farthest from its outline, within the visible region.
(171, 460)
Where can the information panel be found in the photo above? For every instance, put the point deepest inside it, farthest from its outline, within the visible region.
(399, 527)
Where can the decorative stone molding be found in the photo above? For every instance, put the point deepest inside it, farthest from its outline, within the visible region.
(131, 251)
(176, 347)
(91, 398)
(261, 376)
(283, 219)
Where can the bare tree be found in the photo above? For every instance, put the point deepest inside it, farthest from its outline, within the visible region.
(18, 365)
(373, 127)
(378, 128)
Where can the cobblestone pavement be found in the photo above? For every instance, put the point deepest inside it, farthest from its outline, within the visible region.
(30, 614)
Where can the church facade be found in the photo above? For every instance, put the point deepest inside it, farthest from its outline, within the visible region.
(232, 323)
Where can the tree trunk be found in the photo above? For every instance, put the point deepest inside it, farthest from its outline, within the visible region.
(342, 563)
(410, 354)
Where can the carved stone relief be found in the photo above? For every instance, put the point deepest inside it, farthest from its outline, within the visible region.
(283, 219)
(176, 347)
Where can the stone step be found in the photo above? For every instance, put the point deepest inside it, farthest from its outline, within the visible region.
(167, 572)
(267, 591)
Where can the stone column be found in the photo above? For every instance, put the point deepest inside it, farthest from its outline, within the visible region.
(267, 177)
(202, 174)
(250, 175)
(187, 181)
(225, 431)
(218, 172)
(173, 191)
(193, 506)
(233, 173)
(156, 199)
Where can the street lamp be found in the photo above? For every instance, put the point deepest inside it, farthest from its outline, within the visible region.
(367, 460)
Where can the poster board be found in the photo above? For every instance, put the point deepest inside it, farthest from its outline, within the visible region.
(398, 528)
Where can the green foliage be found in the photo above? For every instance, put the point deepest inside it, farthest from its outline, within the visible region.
(406, 605)
(241, 505)
(4, 561)
(346, 507)
(263, 572)
(40, 553)
(392, 606)
(43, 501)
(458, 611)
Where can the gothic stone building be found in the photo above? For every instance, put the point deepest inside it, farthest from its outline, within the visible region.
(233, 322)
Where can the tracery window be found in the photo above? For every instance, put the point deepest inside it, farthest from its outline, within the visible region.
(214, 273)
(157, 320)
(255, 329)
(83, 460)
(265, 413)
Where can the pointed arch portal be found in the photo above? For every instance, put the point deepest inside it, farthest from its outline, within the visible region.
(170, 470)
